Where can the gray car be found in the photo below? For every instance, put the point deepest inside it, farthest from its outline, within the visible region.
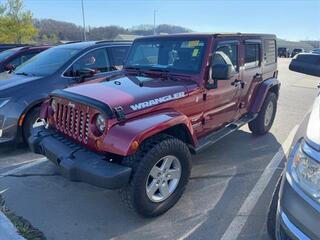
(23, 90)
(295, 208)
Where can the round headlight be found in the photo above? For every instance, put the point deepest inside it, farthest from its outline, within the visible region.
(101, 123)
(54, 105)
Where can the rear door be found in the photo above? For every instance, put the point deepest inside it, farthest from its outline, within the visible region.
(221, 105)
(251, 71)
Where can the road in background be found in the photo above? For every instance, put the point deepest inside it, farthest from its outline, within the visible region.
(222, 178)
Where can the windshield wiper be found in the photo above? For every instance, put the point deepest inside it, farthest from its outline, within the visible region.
(24, 74)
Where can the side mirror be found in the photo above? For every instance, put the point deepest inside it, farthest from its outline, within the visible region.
(307, 63)
(9, 67)
(85, 73)
(222, 71)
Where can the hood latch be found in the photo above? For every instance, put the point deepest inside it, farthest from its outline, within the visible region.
(119, 113)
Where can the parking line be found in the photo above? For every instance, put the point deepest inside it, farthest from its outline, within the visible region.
(237, 224)
(25, 166)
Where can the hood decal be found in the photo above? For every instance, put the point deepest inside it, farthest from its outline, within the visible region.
(156, 101)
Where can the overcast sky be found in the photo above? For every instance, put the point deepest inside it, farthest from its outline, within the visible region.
(289, 19)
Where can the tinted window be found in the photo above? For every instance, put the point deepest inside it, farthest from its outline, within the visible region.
(96, 60)
(230, 51)
(47, 62)
(8, 53)
(270, 51)
(309, 58)
(118, 55)
(173, 54)
(252, 55)
(21, 59)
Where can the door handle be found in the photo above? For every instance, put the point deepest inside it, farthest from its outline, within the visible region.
(238, 82)
(258, 75)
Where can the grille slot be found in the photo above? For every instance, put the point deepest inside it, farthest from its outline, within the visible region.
(73, 122)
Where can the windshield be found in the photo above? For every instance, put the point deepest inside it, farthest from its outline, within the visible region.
(8, 53)
(47, 62)
(172, 54)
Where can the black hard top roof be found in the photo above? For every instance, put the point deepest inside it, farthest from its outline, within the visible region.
(217, 35)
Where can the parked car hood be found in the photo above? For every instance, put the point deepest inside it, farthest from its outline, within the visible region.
(313, 127)
(134, 93)
(11, 80)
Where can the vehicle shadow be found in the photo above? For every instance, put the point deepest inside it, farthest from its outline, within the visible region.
(222, 177)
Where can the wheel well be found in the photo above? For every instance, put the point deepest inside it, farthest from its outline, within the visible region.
(27, 112)
(180, 132)
(275, 90)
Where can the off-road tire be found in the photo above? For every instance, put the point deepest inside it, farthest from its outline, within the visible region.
(30, 119)
(272, 213)
(149, 153)
(257, 126)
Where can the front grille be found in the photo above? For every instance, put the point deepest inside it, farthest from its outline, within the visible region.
(73, 122)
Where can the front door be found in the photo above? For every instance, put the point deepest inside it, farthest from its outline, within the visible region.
(222, 103)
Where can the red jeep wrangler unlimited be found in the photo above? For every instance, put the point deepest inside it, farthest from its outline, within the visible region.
(176, 95)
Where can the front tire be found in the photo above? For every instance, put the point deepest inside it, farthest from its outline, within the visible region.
(31, 122)
(161, 170)
(263, 122)
(272, 213)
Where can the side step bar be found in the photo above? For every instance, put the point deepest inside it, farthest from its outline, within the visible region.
(212, 138)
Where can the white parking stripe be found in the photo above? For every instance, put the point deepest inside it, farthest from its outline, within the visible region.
(23, 167)
(248, 205)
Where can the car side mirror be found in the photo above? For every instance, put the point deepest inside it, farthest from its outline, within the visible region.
(85, 73)
(9, 67)
(307, 63)
(220, 72)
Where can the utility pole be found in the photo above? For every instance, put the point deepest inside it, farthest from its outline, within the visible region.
(84, 22)
(154, 21)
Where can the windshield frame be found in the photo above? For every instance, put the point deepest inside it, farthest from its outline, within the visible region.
(182, 38)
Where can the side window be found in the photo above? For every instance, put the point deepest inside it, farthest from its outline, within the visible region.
(118, 55)
(22, 58)
(96, 60)
(228, 53)
(270, 51)
(252, 55)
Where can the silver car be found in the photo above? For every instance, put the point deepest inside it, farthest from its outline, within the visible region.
(295, 208)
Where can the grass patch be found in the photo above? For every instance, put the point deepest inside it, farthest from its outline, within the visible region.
(23, 226)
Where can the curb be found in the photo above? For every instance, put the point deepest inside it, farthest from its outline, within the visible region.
(7, 230)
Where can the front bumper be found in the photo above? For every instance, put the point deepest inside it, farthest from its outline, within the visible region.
(77, 163)
(298, 215)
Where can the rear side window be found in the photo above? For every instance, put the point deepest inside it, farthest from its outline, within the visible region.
(252, 55)
(270, 51)
(118, 55)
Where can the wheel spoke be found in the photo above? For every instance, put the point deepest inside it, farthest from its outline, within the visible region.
(155, 171)
(152, 188)
(167, 162)
(164, 189)
(173, 174)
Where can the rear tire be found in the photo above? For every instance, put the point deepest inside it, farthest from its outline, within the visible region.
(263, 122)
(145, 193)
(30, 122)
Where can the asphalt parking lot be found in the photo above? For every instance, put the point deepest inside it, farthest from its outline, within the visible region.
(227, 196)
